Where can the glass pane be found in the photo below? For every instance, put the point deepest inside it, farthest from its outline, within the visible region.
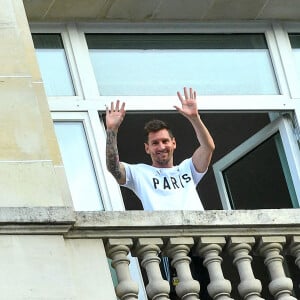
(78, 165)
(159, 64)
(258, 180)
(295, 43)
(53, 64)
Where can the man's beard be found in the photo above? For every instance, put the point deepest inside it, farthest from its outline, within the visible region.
(163, 161)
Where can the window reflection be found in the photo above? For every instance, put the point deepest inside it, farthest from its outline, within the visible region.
(156, 64)
(78, 165)
(53, 64)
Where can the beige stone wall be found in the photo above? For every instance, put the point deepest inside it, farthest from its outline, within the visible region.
(36, 267)
(35, 259)
(48, 267)
(30, 163)
(90, 271)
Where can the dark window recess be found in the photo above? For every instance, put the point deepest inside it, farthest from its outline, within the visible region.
(228, 130)
(257, 181)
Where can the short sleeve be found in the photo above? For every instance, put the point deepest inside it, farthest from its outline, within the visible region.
(129, 182)
(197, 176)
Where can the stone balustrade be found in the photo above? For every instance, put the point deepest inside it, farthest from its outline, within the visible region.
(241, 238)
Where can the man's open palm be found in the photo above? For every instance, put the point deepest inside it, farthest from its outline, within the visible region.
(188, 103)
(115, 115)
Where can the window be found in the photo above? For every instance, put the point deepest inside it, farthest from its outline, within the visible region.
(79, 164)
(257, 173)
(237, 76)
(268, 155)
(53, 64)
(157, 64)
(295, 43)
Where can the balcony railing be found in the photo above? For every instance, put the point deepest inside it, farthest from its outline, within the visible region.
(243, 237)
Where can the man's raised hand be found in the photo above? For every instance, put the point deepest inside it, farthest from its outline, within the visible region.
(188, 103)
(115, 115)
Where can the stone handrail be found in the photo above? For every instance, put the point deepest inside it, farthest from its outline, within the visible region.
(268, 233)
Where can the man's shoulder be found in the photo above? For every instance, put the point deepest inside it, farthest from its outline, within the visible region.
(138, 171)
(137, 166)
(186, 162)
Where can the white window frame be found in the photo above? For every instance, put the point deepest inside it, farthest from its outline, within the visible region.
(75, 33)
(284, 127)
(102, 178)
(89, 100)
(288, 60)
(68, 47)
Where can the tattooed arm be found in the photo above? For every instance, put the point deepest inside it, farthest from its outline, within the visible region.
(114, 118)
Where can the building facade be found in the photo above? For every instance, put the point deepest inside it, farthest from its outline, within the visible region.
(67, 229)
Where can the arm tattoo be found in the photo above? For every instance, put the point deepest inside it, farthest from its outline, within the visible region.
(112, 155)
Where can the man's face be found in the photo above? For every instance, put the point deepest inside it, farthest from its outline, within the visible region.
(161, 147)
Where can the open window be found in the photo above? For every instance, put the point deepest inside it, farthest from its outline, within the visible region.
(262, 171)
(267, 150)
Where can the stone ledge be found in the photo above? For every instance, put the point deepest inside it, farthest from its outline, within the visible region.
(37, 215)
(36, 220)
(165, 224)
(209, 218)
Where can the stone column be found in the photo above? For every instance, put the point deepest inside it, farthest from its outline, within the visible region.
(118, 250)
(280, 286)
(178, 249)
(148, 249)
(32, 174)
(209, 248)
(29, 152)
(249, 287)
(295, 249)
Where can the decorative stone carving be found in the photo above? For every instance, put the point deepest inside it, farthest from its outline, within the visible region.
(178, 249)
(209, 248)
(117, 250)
(280, 286)
(295, 249)
(249, 287)
(148, 249)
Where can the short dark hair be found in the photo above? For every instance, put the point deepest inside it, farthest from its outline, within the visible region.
(154, 126)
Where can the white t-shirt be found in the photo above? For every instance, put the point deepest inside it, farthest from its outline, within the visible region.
(165, 188)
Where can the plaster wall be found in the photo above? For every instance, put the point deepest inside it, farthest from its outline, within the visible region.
(161, 10)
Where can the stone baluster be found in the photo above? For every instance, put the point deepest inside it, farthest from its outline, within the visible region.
(280, 286)
(295, 249)
(177, 249)
(249, 287)
(209, 248)
(148, 249)
(118, 250)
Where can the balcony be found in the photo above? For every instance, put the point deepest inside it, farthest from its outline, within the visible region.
(238, 249)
